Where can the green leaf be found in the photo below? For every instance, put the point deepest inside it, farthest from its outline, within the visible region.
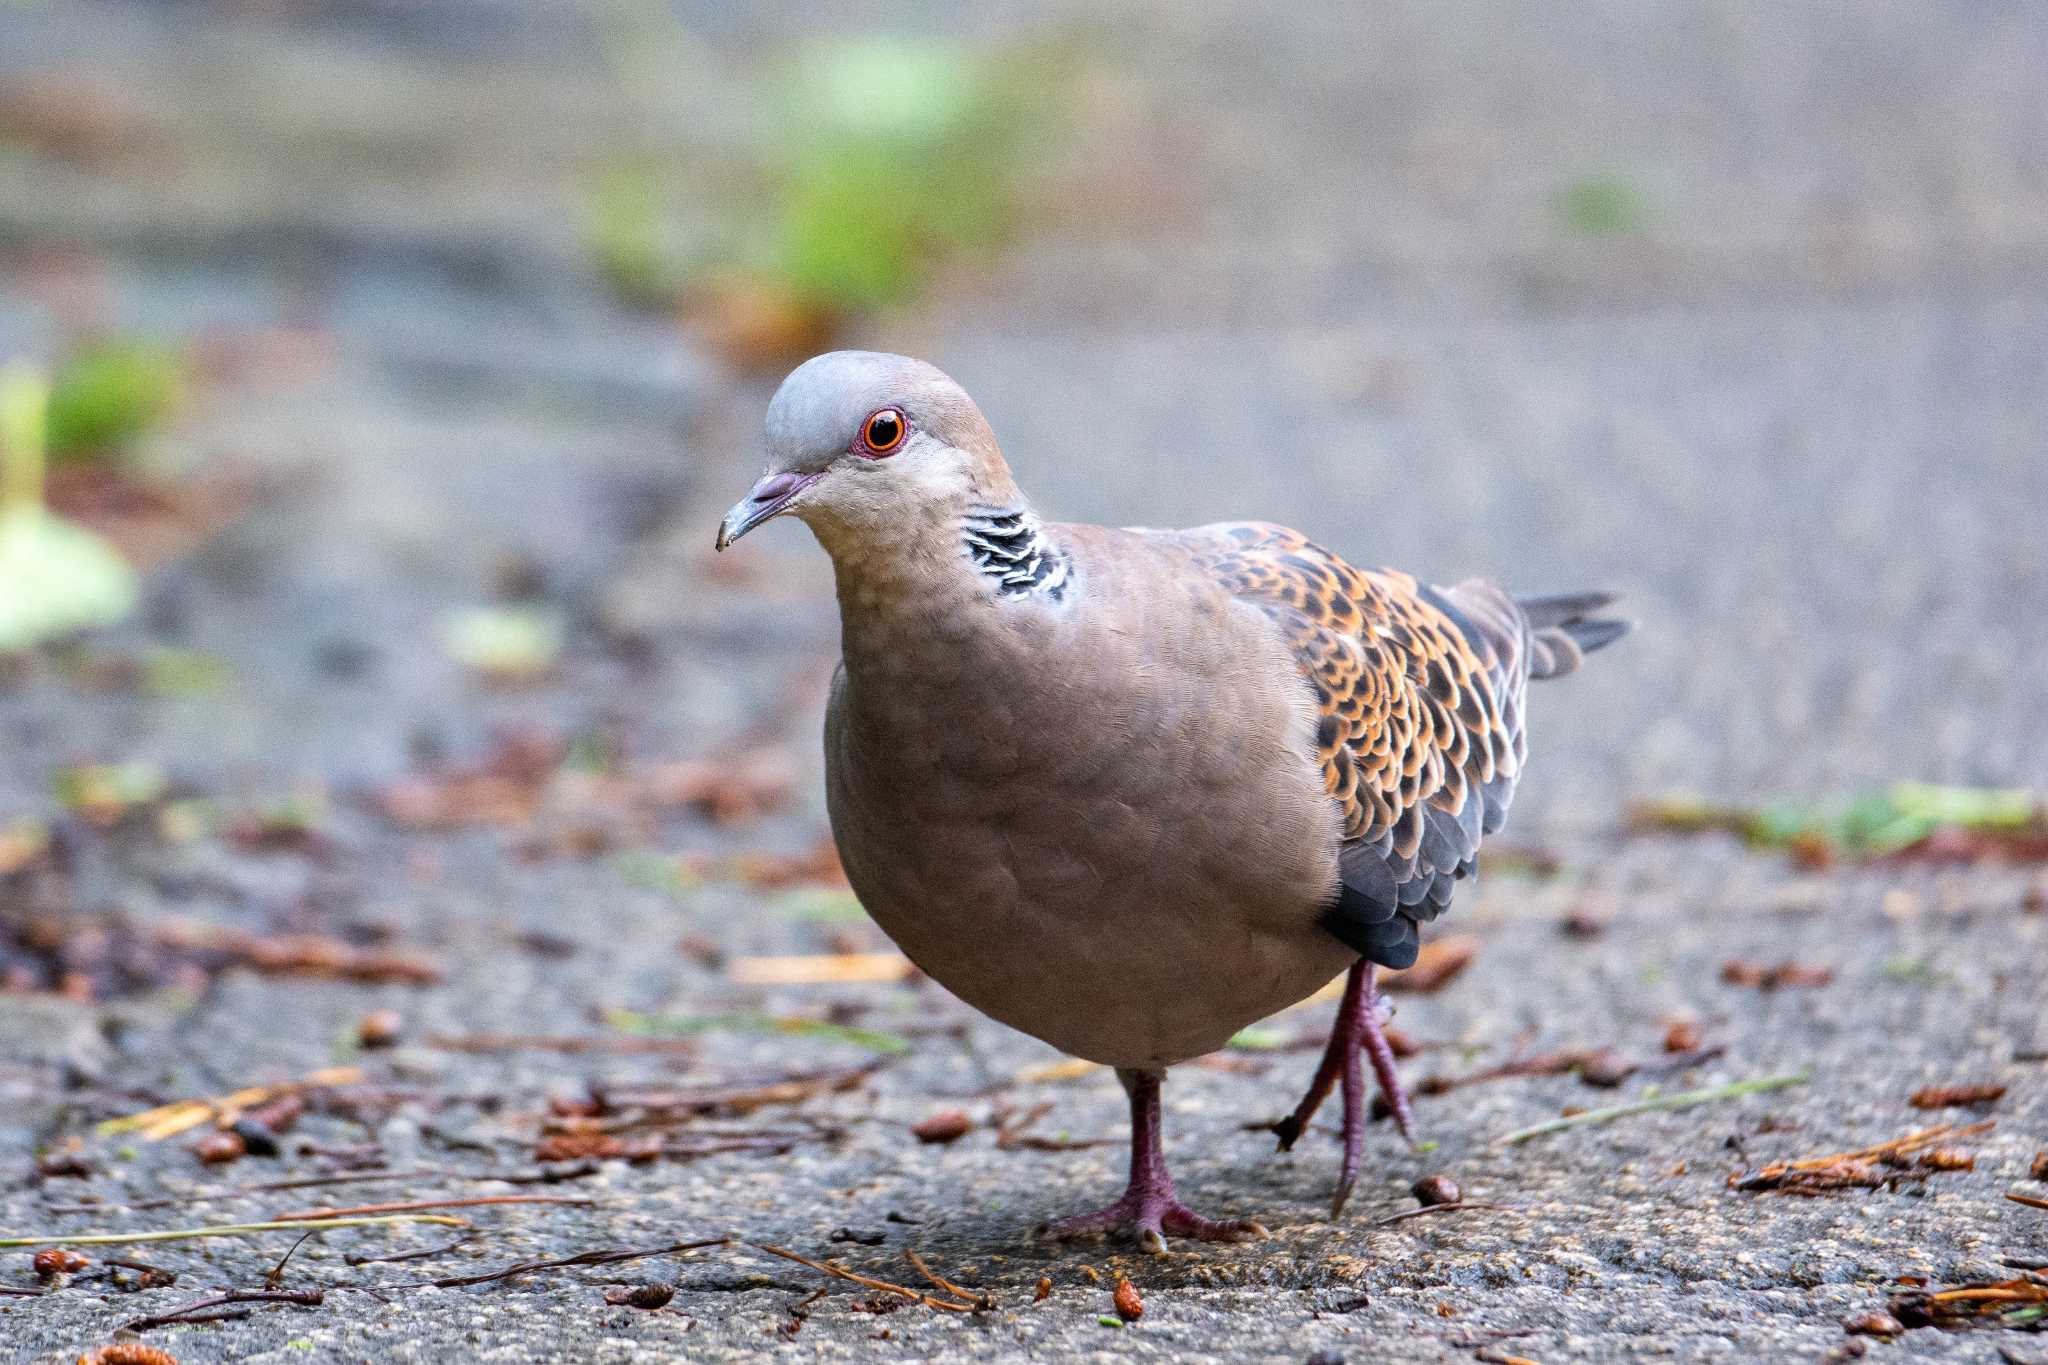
(1257, 1039)
(106, 396)
(60, 579)
(112, 787)
(513, 644)
(820, 905)
(1600, 205)
(173, 672)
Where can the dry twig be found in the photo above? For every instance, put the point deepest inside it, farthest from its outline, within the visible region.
(900, 1290)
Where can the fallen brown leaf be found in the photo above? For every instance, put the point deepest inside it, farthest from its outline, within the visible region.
(1786, 974)
(1981, 1304)
(808, 969)
(1435, 966)
(816, 866)
(1956, 1096)
(1860, 1169)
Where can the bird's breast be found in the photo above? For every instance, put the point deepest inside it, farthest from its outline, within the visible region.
(1102, 835)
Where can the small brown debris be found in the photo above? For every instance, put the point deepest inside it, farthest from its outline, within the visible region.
(971, 1296)
(54, 1261)
(966, 1305)
(947, 1125)
(816, 866)
(1785, 975)
(1948, 1159)
(1969, 1305)
(128, 1353)
(1860, 1169)
(1400, 1042)
(1956, 1096)
(1445, 1310)
(584, 1146)
(260, 1128)
(808, 969)
(647, 1297)
(2035, 902)
(1584, 922)
(1875, 1324)
(23, 847)
(755, 323)
(1812, 851)
(1606, 1068)
(1044, 1290)
(702, 950)
(1436, 1189)
(379, 1028)
(1681, 1035)
(1437, 964)
(220, 1147)
(146, 1276)
(68, 1162)
(1129, 1306)
(2039, 1170)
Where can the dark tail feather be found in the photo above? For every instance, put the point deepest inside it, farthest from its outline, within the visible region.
(1563, 630)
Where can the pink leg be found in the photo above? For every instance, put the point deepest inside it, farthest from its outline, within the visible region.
(1357, 1026)
(1149, 1207)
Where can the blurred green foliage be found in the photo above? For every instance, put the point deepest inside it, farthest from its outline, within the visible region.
(1873, 824)
(887, 156)
(629, 232)
(60, 578)
(1601, 205)
(109, 393)
(898, 153)
(504, 644)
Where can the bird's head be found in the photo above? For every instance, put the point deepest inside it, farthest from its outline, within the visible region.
(865, 447)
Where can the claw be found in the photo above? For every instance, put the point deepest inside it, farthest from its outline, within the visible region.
(1149, 1207)
(1357, 1029)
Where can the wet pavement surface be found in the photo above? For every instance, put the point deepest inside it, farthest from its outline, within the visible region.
(1797, 418)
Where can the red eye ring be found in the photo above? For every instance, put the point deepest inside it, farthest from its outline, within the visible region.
(883, 432)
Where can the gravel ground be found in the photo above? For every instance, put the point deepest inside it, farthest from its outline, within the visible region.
(1303, 272)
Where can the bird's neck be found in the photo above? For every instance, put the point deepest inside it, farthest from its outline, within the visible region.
(1009, 548)
(955, 576)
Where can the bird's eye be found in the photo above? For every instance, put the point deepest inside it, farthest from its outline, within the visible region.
(883, 431)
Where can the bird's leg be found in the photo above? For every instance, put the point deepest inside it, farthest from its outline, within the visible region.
(1357, 1026)
(1343, 1039)
(1149, 1207)
(1382, 1055)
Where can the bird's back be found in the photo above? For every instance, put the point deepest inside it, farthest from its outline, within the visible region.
(1419, 694)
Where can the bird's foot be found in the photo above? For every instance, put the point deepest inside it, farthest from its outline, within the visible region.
(1381, 1054)
(1152, 1215)
(1357, 1029)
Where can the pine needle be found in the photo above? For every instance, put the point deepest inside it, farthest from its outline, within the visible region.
(107, 1239)
(1683, 1100)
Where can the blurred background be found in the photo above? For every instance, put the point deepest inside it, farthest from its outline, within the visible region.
(374, 373)
(390, 363)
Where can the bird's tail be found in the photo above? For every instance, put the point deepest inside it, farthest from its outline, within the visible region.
(1563, 629)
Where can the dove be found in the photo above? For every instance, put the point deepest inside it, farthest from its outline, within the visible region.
(1129, 791)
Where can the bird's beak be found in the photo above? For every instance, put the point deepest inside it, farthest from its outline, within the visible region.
(768, 498)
